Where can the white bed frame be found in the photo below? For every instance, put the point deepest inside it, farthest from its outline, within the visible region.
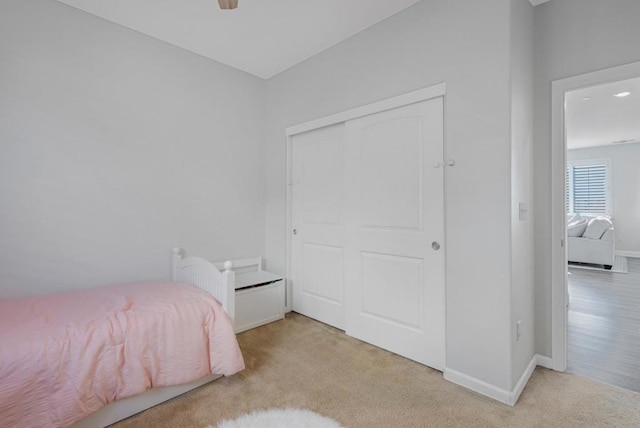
(204, 275)
(221, 284)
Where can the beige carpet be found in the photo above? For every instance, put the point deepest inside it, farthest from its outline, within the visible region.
(305, 364)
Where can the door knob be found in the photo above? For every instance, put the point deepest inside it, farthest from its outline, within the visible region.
(435, 245)
(294, 231)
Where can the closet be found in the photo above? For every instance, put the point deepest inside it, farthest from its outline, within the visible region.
(367, 226)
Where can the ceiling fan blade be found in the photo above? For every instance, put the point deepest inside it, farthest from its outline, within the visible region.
(228, 4)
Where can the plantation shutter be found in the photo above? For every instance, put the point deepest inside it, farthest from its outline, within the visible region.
(589, 189)
(567, 190)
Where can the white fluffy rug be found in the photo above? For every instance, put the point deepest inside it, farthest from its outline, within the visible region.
(619, 266)
(280, 418)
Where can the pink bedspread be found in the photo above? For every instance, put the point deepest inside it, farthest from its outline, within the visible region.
(65, 356)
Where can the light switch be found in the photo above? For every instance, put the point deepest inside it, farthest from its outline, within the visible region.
(522, 211)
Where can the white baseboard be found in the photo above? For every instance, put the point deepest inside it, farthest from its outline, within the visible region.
(477, 385)
(522, 382)
(545, 362)
(634, 254)
(492, 391)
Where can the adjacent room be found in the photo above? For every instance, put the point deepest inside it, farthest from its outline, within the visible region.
(603, 243)
(319, 213)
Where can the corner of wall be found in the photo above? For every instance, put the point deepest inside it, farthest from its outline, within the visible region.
(522, 320)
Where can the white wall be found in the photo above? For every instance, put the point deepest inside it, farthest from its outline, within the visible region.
(625, 183)
(116, 146)
(113, 148)
(522, 290)
(571, 37)
(465, 44)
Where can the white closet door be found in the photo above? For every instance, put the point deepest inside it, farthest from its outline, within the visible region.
(394, 252)
(318, 222)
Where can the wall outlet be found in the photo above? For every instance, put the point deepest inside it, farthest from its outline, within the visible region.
(518, 329)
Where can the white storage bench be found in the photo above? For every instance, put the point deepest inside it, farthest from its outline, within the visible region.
(259, 296)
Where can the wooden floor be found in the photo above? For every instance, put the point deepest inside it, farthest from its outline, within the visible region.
(604, 325)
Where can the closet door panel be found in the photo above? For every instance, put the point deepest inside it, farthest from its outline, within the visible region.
(318, 223)
(391, 174)
(394, 211)
(320, 277)
(405, 308)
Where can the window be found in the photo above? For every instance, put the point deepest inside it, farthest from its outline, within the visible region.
(587, 187)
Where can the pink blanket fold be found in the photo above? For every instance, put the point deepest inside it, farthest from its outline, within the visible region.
(62, 357)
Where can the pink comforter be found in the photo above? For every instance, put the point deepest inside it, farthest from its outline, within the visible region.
(65, 356)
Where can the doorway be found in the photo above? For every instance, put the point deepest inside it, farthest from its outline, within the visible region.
(595, 302)
(603, 242)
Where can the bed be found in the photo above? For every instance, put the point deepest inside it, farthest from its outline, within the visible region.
(96, 356)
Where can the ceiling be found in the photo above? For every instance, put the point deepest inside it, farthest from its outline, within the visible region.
(261, 37)
(595, 117)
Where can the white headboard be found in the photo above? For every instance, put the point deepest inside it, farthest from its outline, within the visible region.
(204, 275)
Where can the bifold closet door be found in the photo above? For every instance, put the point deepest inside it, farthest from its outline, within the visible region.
(394, 231)
(318, 224)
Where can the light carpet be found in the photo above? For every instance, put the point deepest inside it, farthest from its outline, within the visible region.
(280, 418)
(301, 363)
(620, 265)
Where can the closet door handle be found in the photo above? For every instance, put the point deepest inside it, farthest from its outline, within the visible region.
(294, 231)
(435, 245)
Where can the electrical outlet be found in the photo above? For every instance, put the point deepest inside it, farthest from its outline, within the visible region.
(518, 329)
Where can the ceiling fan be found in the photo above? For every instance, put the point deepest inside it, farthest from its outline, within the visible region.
(228, 4)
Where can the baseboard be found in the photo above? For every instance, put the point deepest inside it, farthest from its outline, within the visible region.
(502, 395)
(477, 385)
(634, 254)
(543, 361)
(522, 382)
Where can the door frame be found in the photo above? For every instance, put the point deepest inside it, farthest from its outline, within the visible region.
(434, 91)
(559, 277)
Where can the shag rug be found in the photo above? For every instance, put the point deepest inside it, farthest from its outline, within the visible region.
(280, 418)
(619, 266)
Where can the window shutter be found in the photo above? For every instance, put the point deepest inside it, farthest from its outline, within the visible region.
(589, 189)
(567, 190)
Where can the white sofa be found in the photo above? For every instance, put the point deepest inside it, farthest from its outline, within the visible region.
(596, 243)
